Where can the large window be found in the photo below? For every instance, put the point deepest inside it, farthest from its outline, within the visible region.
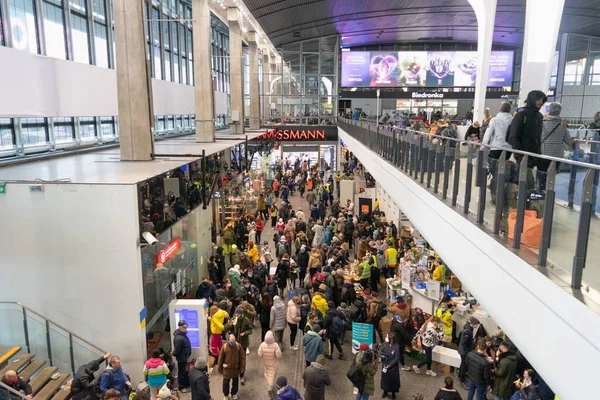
(34, 131)
(156, 44)
(107, 127)
(87, 129)
(64, 130)
(54, 29)
(167, 43)
(7, 134)
(101, 33)
(23, 25)
(80, 31)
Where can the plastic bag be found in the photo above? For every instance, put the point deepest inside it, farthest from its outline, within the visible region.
(532, 228)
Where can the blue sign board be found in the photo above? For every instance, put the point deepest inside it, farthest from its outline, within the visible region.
(193, 328)
(361, 333)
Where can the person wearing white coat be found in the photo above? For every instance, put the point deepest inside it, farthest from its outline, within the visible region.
(319, 231)
(495, 137)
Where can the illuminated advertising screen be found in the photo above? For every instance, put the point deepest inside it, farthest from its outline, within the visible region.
(190, 316)
(423, 69)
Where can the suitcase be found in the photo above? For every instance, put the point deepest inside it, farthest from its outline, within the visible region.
(291, 293)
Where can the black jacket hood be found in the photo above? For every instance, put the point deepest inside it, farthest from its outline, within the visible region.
(533, 97)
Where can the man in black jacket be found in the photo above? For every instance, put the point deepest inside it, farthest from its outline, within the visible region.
(15, 382)
(479, 371)
(333, 336)
(199, 380)
(525, 132)
(82, 387)
(466, 344)
(182, 350)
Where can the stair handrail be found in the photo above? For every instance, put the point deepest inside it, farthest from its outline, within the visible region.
(4, 386)
(71, 333)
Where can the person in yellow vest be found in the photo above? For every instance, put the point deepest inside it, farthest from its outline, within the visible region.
(445, 317)
(439, 273)
(375, 273)
(252, 252)
(377, 204)
(392, 259)
(364, 272)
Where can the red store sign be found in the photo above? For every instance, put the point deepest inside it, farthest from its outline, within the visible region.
(169, 251)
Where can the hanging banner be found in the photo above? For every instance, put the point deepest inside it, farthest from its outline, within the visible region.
(361, 333)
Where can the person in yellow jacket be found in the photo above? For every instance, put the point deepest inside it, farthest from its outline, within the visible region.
(391, 254)
(320, 303)
(377, 204)
(439, 273)
(364, 272)
(445, 317)
(252, 252)
(217, 326)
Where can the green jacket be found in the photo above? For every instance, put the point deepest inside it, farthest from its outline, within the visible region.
(235, 257)
(504, 375)
(229, 237)
(243, 324)
(369, 370)
(236, 282)
(364, 270)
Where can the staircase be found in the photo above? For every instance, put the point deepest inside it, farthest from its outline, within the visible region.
(46, 382)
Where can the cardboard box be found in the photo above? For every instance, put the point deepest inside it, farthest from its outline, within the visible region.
(455, 283)
(437, 367)
(405, 231)
(385, 325)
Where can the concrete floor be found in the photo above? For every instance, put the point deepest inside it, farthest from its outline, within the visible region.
(292, 365)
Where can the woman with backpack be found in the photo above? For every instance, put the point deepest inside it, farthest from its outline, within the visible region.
(366, 363)
(304, 310)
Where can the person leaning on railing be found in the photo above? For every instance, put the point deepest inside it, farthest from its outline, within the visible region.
(554, 138)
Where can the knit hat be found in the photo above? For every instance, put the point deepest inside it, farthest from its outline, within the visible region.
(281, 382)
(201, 363)
(164, 393)
(239, 310)
(364, 347)
(321, 359)
(223, 305)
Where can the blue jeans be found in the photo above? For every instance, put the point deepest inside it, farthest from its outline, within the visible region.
(362, 396)
(481, 390)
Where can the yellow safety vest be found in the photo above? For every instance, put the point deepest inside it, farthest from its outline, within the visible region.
(366, 272)
(392, 253)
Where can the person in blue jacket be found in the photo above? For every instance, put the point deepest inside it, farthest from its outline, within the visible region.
(115, 378)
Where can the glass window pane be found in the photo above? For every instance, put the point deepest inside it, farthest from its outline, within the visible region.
(310, 46)
(23, 26)
(78, 5)
(54, 29)
(328, 64)
(101, 43)
(6, 134)
(87, 129)
(100, 10)
(63, 130)
(156, 44)
(175, 68)
(165, 27)
(34, 131)
(175, 38)
(167, 65)
(107, 127)
(577, 43)
(81, 48)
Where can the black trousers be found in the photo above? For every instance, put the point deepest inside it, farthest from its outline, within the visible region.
(183, 379)
(293, 333)
(375, 273)
(462, 370)
(542, 167)
(335, 342)
(377, 328)
(234, 386)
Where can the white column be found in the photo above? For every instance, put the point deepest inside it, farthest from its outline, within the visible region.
(236, 66)
(539, 46)
(266, 72)
(134, 90)
(485, 11)
(204, 96)
(254, 84)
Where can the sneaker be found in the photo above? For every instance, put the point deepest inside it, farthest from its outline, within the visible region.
(247, 351)
(226, 398)
(234, 397)
(242, 381)
(406, 368)
(416, 369)
(185, 390)
(294, 347)
(464, 385)
(341, 356)
(430, 373)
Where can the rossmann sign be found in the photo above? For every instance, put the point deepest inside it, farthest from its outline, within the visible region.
(303, 134)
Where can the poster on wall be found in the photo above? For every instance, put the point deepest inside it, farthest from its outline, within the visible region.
(355, 68)
(501, 68)
(465, 68)
(361, 333)
(383, 68)
(405, 277)
(433, 290)
(412, 68)
(440, 69)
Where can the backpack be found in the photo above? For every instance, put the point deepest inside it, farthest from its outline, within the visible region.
(337, 325)
(381, 310)
(98, 379)
(356, 376)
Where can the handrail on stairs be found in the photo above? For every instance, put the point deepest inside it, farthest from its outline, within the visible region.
(49, 322)
(5, 387)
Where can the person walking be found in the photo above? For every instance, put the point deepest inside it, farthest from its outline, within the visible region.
(555, 139)
(313, 343)
(479, 371)
(525, 132)
(270, 353)
(231, 364)
(182, 350)
(155, 371)
(466, 343)
(316, 377)
(286, 392)
(293, 319)
(367, 362)
(241, 327)
(266, 303)
(278, 320)
(199, 380)
(390, 371)
(334, 325)
(429, 335)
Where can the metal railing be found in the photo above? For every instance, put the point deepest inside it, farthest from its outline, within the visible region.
(8, 393)
(560, 202)
(49, 341)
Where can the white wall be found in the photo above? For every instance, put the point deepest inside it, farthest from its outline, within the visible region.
(71, 254)
(38, 86)
(549, 326)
